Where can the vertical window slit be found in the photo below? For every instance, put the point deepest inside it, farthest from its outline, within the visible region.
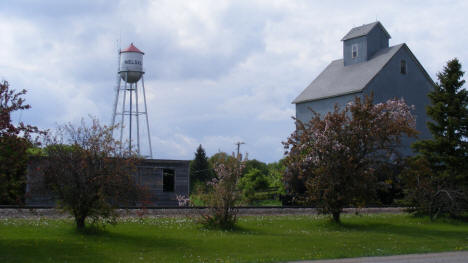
(354, 51)
(403, 66)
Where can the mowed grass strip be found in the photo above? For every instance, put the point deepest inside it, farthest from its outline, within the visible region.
(257, 239)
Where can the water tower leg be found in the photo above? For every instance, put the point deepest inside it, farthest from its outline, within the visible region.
(146, 114)
(123, 112)
(137, 119)
(117, 91)
(130, 122)
(116, 100)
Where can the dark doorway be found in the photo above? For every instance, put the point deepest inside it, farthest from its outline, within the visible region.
(168, 180)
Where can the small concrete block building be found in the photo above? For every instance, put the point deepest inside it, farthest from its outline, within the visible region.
(370, 65)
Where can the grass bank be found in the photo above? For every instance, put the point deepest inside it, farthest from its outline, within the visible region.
(257, 239)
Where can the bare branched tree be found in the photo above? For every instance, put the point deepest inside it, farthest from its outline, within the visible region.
(87, 172)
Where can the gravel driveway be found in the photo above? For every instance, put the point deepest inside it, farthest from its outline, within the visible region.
(452, 257)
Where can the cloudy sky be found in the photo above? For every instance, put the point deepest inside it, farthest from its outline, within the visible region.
(217, 72)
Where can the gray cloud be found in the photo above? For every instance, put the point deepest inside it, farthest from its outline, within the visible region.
(216, 71)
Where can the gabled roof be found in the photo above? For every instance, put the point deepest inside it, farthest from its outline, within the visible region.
(338, 79)
(364, 30)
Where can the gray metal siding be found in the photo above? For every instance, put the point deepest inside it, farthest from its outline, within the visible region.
(148, 174)
(368, 45)
(413, 87)
(376, 40)
(338, 79)
(387, 84)
(377, 70)
(322, 107)
(154, 180)
(362, 50)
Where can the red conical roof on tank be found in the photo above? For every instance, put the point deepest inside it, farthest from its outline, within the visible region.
(132, 48)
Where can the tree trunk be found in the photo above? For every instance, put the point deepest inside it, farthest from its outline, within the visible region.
(80, 222)
(336, 216)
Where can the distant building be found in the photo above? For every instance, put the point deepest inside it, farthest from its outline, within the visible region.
(163, 179)
(370, 65)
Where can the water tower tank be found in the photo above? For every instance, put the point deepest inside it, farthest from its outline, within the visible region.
(131, 64)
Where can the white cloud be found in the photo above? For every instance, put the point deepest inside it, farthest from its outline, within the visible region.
(217, 72)
(174, 146)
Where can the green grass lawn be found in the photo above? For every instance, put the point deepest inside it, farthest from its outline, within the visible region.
(257, 239)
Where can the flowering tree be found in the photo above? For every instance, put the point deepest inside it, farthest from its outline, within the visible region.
(337, 156)
(223, 195)
(183, 200)
(15, 140)
(87, 172)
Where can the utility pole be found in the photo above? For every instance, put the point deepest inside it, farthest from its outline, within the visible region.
(238, 146)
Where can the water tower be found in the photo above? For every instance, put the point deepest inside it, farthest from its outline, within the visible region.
(130, 71)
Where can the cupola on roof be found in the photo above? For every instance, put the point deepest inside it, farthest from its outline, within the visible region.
(364, 30)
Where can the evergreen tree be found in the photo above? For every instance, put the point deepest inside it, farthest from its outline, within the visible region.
(437, 178)
(200, 168)
(447, 150)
